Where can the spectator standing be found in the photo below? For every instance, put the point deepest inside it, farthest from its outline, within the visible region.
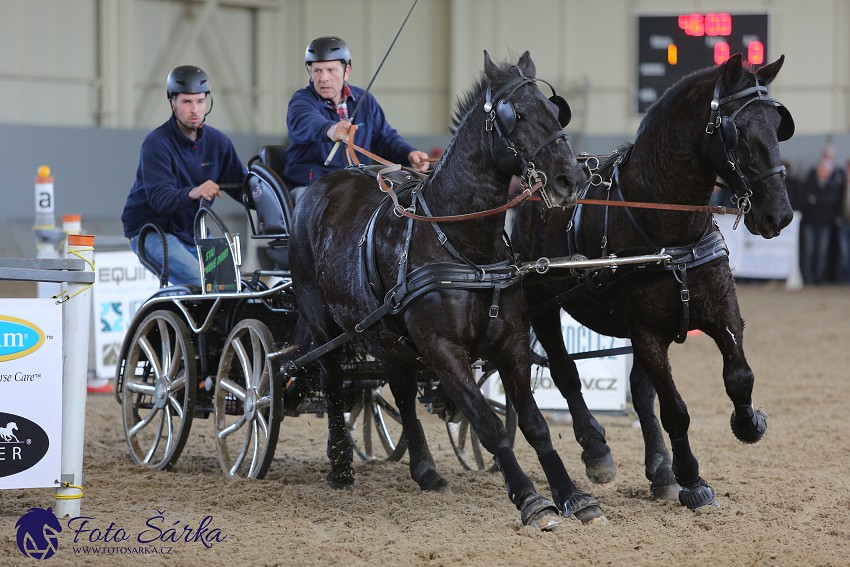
(820, 203)
(843, 230)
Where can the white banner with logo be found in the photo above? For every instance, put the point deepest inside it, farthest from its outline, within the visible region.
(122, 285)
(752, 256)
(30, 393)
(604, 380)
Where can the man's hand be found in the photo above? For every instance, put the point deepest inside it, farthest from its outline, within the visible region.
(340, 131)
(418, 160)
(208, 190)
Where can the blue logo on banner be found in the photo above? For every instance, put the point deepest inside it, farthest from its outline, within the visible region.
(38, 532)
(18, 338)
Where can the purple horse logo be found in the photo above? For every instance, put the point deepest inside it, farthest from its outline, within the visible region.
(38, 533)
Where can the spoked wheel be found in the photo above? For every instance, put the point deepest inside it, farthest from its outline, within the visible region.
(247, 404)
(374, 425)
(471, 454)
(158, 390)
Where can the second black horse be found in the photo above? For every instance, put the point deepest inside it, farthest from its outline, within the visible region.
(718, 122)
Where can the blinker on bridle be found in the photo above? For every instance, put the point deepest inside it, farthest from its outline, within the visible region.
(502, 119)
(728, 136)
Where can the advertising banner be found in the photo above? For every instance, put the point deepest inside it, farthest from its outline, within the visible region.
(752, 256)
(30, 393)
(604, 380)
(122, 285)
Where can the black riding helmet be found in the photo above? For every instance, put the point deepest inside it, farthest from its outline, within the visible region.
(187, 79)
(327, 48)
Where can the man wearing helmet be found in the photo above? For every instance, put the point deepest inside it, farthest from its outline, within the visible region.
(318, 116)
(181, 162)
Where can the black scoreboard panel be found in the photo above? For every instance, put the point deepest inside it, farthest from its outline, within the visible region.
(670, 47)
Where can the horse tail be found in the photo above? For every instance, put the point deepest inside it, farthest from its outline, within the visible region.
(297, 344)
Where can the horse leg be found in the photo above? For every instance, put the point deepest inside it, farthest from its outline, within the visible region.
(651, 354)
(571, 500)
(340, 448)
(656, 458)
(422, 467)
(748, 424)
(596, 455)
(455, 374)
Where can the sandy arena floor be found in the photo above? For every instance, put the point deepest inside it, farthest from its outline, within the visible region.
(783, 501)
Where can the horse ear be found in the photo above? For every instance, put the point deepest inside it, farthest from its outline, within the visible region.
(490, 69)
(767, 73)
(731, 70)
(526, 65)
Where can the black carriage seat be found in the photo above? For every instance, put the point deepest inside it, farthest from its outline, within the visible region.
(274, 156)
(269, 204)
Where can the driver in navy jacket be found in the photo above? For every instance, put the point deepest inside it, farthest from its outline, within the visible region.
(317, 117)
(181, 162)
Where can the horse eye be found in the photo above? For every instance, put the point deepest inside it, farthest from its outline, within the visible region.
(518, 116)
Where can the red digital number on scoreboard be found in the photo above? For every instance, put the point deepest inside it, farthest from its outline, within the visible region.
(711, 24)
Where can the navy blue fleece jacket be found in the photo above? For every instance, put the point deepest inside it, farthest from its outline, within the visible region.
(308, 118)
(170, 165)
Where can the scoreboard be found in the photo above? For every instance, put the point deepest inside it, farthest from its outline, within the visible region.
(672, 46)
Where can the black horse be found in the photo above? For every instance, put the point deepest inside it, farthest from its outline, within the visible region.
(716, 122)
(440, 294)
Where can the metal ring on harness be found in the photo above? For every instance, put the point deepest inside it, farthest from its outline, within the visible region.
(542, 265)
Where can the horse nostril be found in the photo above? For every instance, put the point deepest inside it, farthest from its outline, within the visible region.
(562, 180)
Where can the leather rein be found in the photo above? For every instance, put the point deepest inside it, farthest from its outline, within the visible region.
(386, 186)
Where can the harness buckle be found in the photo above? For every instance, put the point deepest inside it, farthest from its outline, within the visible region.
(686, 295)
(494, 311)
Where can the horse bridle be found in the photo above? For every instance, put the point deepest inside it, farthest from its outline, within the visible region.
(501, 120)
(728, 137)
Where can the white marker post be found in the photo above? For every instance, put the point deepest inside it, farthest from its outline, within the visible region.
(46, 234)
(75, 354)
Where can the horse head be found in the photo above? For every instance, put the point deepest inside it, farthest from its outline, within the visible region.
(524, 130)
(744, 131)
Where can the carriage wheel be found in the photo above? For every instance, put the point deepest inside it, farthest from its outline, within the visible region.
(373, 417)
(247, 404)
(158, 390)
(471, 454)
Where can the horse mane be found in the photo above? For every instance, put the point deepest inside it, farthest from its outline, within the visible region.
(683, 91)
(467, 101)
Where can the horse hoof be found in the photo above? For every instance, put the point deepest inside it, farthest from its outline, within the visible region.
(749, 425)
(539, 512)
(584, 507)
(602, 470)
(436, 484)
(339, 481)
(592, 517)
(697, 496)
(665, 491)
